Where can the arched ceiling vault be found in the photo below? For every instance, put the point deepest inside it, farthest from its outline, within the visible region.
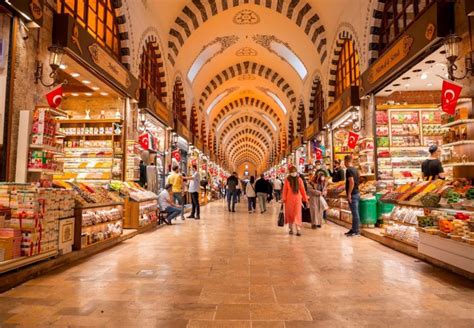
(245, 75)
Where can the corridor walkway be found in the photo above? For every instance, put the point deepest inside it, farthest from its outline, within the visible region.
(241, 270)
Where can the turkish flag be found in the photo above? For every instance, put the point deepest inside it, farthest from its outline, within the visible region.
(176, 155)
(352, 141)
(301, 161)
(144, 141)
(449, 96)
(319, 154)
(55, 96)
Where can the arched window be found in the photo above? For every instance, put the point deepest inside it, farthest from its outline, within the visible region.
(397, 15)
(98, 18)
(179, 108)
(348, 71)
(301, 125)
(317, 100)
(193, 122)
(150, 76)
(203, 130)
(291, 132)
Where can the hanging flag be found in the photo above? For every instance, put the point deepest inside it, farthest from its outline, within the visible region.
(144, 141)
(301, 161)
(176, 155)
(55, 96)
(449, 96)
(352, 141)
(319, 154)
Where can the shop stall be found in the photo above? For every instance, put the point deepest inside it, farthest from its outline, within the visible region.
(182, 139)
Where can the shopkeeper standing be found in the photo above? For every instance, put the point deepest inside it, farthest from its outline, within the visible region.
(194, 192)
(432, 168)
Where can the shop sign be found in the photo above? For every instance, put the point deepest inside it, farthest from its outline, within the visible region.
(311, 130)
(296, 143)
(390, 59)
(32, 9)
(434, 24)
(198, 143)
(81, 45)
(154, 106)
(183, 131)
(349, 98)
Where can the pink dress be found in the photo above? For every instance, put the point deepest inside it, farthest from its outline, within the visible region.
(293, 202)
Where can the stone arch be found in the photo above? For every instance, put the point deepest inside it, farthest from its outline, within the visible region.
(179, 104)
(247, 67)
(197, 12)
(301, 120)
(291, 132)
(193, 122)
(316, 100)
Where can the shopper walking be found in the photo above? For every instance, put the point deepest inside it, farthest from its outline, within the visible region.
(177, 181)
(262, 189)
(194, 183)
(231, 191)
(293, 196)
(432, 168)
(353, 195)
(317, 188)
(239, 191)
(277, 185)
(251, 194)
(165, 203)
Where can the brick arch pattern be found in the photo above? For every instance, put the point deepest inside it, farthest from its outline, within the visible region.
(250, 131)
(203, 135)
(316, 100)
(125, 45)
(342, 37)
(243, 158)
(247, 101)
(197, 12)
(247, 120)
(151, 48)
(193, 122)
(291, 132)
(247, 152)
(247, 67)
(245, 149)
(301, 124)
(179, 105)
(248, 139)
(245, 145)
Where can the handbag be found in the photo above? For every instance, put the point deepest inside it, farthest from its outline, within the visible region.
(324, 204)
(305, 214)
(281, 217)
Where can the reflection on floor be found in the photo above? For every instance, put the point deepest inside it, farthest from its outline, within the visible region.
(241, 270)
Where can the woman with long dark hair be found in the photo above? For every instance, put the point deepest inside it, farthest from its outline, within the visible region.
(293, 197)
(251, 194)
(317, 189)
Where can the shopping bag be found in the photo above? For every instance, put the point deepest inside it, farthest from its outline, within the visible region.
(324, 204)
(281, 217)
(305, 214)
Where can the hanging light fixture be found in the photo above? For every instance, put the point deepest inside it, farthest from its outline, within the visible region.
(55, 58)
(451, 48)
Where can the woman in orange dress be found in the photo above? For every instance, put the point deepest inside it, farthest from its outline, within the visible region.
(293, 197)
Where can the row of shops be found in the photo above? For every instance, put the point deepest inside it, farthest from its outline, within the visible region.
(90, 169)
(387, 123)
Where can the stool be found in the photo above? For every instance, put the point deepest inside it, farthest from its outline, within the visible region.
(162, 218)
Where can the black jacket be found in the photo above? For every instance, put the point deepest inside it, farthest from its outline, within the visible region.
(338, 175)
(262, 185)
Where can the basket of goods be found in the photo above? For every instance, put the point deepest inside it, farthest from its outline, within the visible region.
(425, 221)
(430, 200)
(453, 199)
(445, 227)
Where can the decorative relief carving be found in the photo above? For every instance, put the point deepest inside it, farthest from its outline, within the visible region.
(246, 77)
(246, 17)
(246, 51)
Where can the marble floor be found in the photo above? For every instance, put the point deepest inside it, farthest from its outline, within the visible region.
(241, 270)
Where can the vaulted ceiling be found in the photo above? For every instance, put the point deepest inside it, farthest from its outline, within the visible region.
(244, 64)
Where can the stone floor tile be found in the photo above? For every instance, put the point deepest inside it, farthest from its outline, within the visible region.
(219, 324)
(233, 312)
(279, 312)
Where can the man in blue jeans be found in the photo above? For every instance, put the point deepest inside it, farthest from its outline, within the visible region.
(353, 195)
(165, 203)
(232, 183)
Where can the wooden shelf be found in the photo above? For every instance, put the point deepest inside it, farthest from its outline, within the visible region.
(25, 260)
(101, 223)
(457, 122)
(89, 206)
(100, 242)
(90, 121)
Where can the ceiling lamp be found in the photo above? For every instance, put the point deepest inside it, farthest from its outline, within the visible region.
(451, 48)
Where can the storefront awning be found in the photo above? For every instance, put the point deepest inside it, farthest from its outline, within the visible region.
(80, 45)
(426, 31)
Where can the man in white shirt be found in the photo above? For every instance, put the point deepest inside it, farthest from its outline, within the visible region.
(166, 204)
(277, 185)
(194, 180)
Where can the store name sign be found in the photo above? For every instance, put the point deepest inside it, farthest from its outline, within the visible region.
(184, 132)
(31, 9)
(391, 58)
(311, 130)
(109, 64)
(333, 110)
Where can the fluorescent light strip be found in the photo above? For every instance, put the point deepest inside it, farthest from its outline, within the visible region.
(290, 57)
(202, 59)
(277, 100)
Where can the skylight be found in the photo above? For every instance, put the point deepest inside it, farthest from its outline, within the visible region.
(290, 57)
(277, 100)
(223, 122)
(270, 121)
(203, 58)
(216, 100)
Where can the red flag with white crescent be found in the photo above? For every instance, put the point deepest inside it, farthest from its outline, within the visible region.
(449, 96)
(319, 154)
(55, 96)
(176, 155)
(144, 141)
(352, 141)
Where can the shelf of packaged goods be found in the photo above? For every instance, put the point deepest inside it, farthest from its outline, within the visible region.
(73, 169)
(365, 151)
(45, 147)
(90, 121)
(457, 122)
(43, 171)
(25, 260)
(100, 242)
(58, 112)
(441, 209)
(458, 164)
(93, 135)
(458, 143)
(85, 149)
(101, 223)
(89, 206)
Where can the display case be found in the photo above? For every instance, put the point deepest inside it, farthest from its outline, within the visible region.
(93, 150)
(140, 214)
(97, 223)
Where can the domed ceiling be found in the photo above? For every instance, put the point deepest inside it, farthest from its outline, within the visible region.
(245, 62)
